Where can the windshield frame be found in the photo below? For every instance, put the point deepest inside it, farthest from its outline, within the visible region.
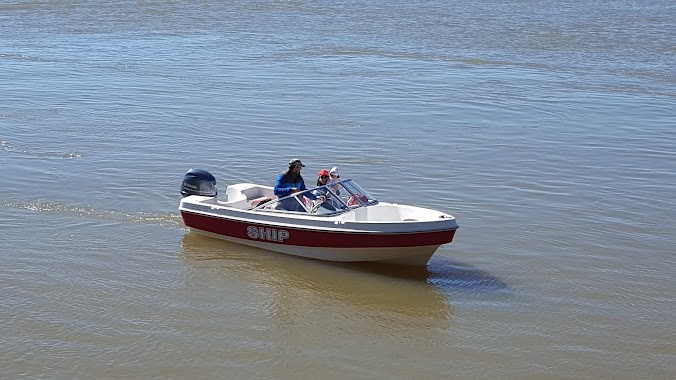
(346, 195)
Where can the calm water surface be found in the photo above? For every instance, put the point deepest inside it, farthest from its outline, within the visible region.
(547, 128)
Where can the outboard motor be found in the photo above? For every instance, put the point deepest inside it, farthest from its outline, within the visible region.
(198, 182)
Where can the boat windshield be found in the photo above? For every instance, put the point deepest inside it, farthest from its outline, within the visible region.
(333, 198)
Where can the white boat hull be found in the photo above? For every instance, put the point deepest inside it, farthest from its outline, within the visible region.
(377, 231)
(417, 256)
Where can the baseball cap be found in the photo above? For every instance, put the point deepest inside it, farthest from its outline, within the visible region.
(295, 162)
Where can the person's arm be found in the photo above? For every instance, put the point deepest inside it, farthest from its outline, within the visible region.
(310, 194)
(320, 195)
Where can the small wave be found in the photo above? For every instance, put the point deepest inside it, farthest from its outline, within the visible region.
(19, 118)
(661, 75)
(36, 152)
(417, 56)
(125, 67)
(58, 208)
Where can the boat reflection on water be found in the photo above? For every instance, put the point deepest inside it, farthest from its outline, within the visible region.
(454, 276)
(443, 272)
(446, 274)
(312, 285)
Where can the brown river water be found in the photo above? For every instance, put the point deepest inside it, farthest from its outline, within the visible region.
(547, 129)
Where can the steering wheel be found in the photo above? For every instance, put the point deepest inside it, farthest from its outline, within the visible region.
(317, 203)
(315, 206)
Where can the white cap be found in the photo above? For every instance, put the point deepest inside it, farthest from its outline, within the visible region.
(334, 171)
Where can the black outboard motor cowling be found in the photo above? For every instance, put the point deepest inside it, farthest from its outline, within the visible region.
(198, 182)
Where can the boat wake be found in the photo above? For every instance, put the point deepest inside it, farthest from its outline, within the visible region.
(58, 208)
(36, 152)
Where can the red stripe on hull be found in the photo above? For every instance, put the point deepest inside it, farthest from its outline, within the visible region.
(313, 238)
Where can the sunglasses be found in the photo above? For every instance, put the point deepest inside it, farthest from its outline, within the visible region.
(334, 175)
(324, 176)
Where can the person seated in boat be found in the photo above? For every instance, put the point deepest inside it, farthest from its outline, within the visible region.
(334, 176)
(323, 179)
(289, 182)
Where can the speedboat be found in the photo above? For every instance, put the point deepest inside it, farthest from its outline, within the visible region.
(339, 221)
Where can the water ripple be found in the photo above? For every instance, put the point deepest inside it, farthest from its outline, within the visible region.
(36, 152)
(63, 209)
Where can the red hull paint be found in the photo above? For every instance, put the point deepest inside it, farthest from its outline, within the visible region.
(314, 238)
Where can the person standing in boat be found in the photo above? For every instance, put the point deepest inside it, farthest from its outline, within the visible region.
(289, 182)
